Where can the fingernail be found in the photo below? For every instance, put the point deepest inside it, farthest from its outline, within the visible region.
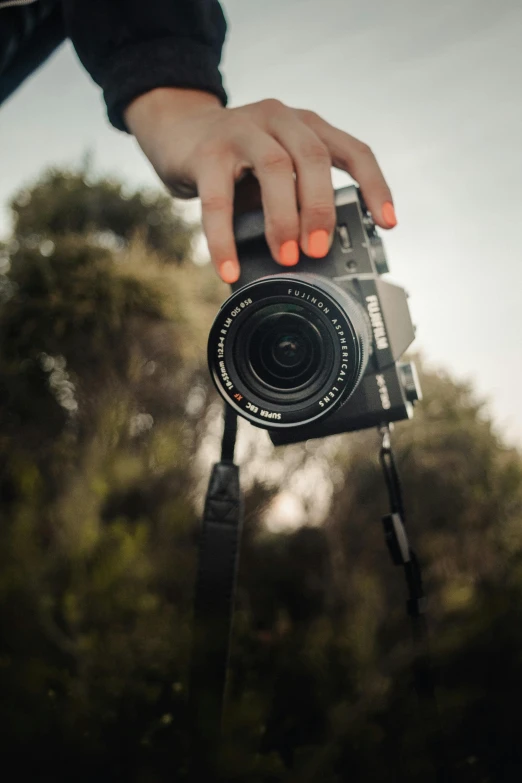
(318, 243)
(289, 253)
(388, 214)
(229, 271)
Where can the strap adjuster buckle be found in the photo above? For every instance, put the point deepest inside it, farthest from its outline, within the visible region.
(396, 539)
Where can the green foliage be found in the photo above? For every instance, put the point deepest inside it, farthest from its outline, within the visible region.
(64, 203)
(96, 551)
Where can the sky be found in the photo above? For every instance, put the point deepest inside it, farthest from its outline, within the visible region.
(433, 88)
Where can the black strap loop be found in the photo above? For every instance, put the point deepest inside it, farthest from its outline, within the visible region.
(391, 474)
(229, 435)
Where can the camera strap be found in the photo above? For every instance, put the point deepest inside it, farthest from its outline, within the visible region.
(403, 555)
(219, 541)
(219, 544)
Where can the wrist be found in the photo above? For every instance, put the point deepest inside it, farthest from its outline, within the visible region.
(176, 101)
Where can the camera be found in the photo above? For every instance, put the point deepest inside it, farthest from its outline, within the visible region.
(315, 351)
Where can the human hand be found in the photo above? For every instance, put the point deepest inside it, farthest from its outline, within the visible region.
(262, 154)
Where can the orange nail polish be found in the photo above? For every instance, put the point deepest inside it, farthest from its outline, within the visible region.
(229, 271)
(388, 214)
(289, 253)
(318, 243)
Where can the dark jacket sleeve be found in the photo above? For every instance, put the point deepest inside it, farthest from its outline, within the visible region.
(132, 46)
(29, 34)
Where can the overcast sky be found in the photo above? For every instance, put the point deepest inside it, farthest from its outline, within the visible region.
(434, 88)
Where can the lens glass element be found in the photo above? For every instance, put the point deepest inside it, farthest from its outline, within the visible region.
(289, 350)
(284, 350)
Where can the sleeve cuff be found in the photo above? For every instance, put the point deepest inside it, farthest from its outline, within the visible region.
(165, 62)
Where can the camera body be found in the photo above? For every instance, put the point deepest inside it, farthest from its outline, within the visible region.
(345, 294)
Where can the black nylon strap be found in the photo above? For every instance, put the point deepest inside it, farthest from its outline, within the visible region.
(214, 605)
(229, 436)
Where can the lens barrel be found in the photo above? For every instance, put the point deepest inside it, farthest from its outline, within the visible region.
(288, 349)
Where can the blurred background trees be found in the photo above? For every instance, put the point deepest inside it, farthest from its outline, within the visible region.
(108, 425)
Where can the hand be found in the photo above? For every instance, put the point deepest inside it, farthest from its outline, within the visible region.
(262, 154)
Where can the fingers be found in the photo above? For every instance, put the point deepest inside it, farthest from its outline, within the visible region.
(274, 169)
(219, 168)
(315, 193)
(216, 191)
(356, 158)
(290, 152)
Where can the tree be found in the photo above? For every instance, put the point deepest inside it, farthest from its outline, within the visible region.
(97, 529)
(76, 203)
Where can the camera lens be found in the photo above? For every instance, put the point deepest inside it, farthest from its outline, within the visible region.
(288, 349)
(283, 350)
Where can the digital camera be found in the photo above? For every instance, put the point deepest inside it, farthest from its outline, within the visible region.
(315, 351)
